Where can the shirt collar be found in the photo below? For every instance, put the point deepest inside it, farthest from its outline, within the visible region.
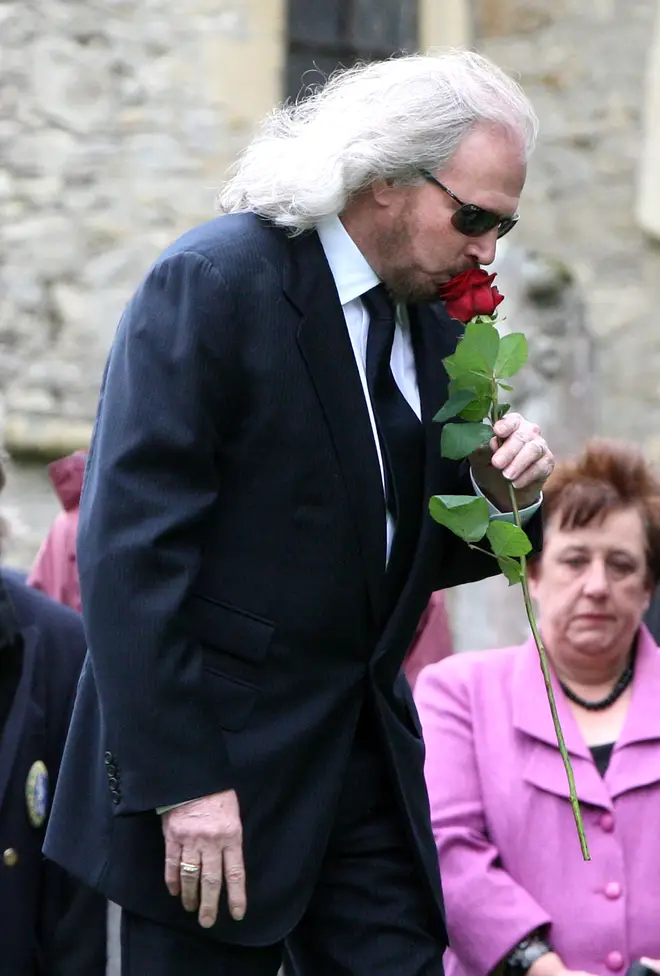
(352, 273)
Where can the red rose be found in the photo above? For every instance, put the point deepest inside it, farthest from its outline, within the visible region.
(470, 293)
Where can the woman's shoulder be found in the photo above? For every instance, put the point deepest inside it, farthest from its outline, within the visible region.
(473, 667)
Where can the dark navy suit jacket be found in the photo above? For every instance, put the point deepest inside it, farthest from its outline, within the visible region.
(49, 924)
(232, 556)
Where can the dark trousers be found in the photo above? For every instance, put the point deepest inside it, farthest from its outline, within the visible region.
(369, 915)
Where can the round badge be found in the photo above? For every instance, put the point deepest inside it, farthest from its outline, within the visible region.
(36, 793)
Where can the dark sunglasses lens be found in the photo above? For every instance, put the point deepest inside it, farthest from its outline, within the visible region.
(507, 224)
(473, 221)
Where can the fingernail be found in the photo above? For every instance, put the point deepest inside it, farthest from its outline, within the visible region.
(237, 915)
(206, 921)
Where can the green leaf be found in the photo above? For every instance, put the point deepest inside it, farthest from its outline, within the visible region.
(476, 409)
(479, 384)
(502, 410)
(512, 354)
(506, 539)
(503, 386)
(478, 350)
(459, 440)
(464, 515)
(511, 569)
(458, 399)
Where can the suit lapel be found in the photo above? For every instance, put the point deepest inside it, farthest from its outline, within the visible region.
(434, 336)
(12, 736)
(326, 348)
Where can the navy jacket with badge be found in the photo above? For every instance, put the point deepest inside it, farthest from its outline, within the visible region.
(49, 924)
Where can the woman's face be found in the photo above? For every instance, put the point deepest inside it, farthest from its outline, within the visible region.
(592, 585)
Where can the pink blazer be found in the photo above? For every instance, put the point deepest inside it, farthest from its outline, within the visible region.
(504, 829)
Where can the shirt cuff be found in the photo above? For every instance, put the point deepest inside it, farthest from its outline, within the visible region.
(494, 513)
(173, 806)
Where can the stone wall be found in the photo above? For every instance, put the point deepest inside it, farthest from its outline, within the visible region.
(118, 119)
(585, 67)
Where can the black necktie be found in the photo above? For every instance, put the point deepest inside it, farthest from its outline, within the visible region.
(400, 434)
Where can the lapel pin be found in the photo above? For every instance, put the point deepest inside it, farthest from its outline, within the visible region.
(36, 793)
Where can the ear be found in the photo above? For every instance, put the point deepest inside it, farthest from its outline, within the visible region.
(386, 193)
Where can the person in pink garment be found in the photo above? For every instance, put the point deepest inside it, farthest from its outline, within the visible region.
(433, 639)
(519, 897)
(55, 569)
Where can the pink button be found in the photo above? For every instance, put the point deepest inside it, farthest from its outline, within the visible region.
(607, 823)
(612, 890)
(614, 961)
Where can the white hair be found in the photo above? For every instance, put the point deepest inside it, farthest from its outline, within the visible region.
(384, 120)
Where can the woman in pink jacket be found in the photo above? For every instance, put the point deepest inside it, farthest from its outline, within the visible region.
(519, 897)
(55, 569)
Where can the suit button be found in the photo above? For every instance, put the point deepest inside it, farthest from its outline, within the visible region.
(606, 823)
(613, 890)
(108, 758)
(115, 797)
(614, 961)
(112, 780)
(10, 857)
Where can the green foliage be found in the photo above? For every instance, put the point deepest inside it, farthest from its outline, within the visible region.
(476, 370)
(456, 402)
(477, 409)
(464, 404)
(478, 349)
(506, 539)
(510, 569)
(460, 440)
(512, 354)
(464, 515)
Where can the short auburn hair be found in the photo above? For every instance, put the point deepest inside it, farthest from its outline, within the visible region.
(606, 477)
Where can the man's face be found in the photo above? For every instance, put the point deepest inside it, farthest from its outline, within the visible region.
(418, 249)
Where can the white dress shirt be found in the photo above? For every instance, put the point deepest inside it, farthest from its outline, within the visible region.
(353, 277)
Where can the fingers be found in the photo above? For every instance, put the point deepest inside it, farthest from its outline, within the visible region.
(235, 878)
(190, 870)
(172, 865)
(211, 888)
(526, 466)
(507, 425)
(203, 839)
(523, 456)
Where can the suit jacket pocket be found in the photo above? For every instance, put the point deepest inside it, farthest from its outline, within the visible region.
(406, 707)
(234, 646)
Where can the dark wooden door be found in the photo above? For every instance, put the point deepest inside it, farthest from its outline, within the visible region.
(323, 34)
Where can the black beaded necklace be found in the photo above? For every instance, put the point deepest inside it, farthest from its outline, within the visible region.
(616, 692)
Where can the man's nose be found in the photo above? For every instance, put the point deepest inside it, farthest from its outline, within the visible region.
(482, 249)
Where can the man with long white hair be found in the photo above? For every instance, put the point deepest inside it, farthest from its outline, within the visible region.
(244, 772)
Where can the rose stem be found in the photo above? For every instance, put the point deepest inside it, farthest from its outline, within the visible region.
(545, 667)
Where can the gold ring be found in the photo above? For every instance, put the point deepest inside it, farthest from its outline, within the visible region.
(189, 868)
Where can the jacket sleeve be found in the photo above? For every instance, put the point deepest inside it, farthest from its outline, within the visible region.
(167, 402)
(488, 913)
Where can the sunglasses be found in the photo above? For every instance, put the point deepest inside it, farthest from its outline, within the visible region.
(471, 220)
